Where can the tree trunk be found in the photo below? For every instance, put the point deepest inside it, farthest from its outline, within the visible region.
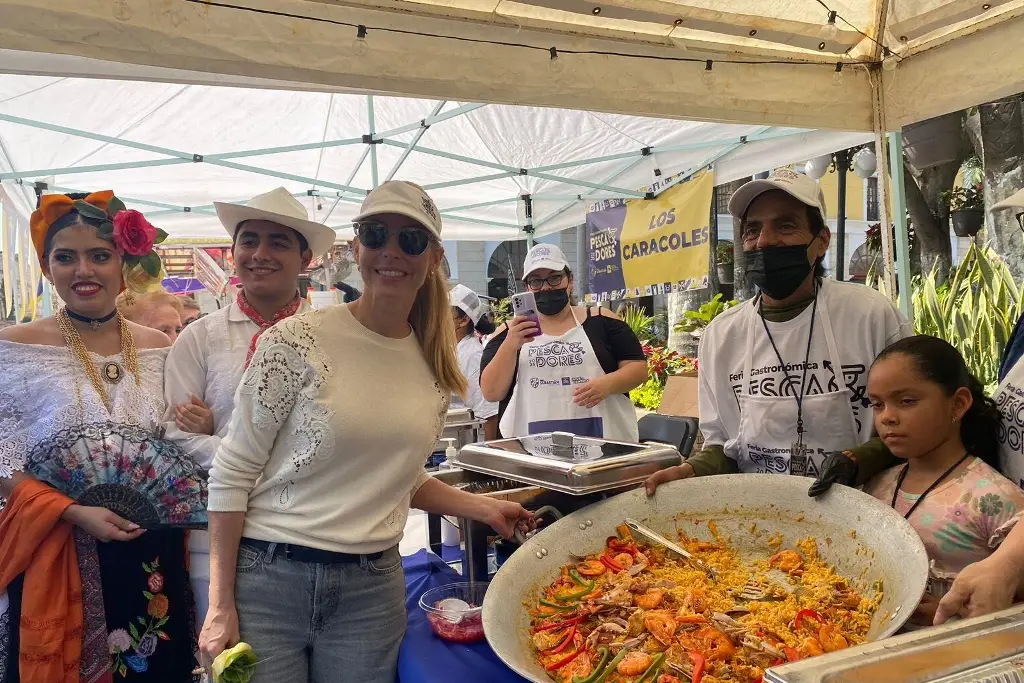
(931, 223)
(1002, 146)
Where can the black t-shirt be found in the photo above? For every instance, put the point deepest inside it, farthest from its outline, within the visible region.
(611, 338)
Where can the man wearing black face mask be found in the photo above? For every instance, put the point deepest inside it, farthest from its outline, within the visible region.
(575, 375)
(783, 377)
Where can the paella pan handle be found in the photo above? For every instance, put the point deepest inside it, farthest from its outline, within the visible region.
(521, 538)
(662, 541)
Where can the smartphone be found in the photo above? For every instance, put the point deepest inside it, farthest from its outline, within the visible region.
(525, 305)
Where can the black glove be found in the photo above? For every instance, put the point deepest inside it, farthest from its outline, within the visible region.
(838, 468)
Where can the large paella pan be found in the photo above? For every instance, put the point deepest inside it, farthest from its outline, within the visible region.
(846, 538)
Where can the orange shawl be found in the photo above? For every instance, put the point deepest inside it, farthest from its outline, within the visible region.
(34, 540)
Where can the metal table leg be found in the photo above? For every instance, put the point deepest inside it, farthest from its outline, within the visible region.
(434, 534)
(474, 554)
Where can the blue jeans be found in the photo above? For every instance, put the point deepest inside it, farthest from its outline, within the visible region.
(321, 623)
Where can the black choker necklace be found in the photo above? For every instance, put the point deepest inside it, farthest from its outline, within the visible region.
(93, 323)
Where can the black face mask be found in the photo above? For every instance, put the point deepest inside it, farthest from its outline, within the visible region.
(778, 271)
(551, 301)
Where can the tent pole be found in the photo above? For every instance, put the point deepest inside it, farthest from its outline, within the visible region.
(885, 184)
(899, 210)
(373, 149)
(429, 121)
(415, 141)
(842, 161)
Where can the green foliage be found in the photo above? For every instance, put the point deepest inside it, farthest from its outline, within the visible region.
(501, 310)
(648, 395)
(643, 324)
(975, 310)
(694, 322)
(724, 252)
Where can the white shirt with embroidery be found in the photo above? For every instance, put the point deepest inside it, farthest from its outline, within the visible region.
(331, 429)
(38, 396)
(207, 361)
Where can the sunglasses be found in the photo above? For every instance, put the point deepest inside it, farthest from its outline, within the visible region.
(413, 241)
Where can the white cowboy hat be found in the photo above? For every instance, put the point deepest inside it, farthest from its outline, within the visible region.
(1014, 201)
(278, 206)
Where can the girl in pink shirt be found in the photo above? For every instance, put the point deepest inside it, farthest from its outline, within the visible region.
(932, 412)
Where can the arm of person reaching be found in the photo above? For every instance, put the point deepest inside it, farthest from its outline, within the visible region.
(498, 364)
(436, 497)
(854, 467)
(189, 421)
(712, 459)
(238, 464)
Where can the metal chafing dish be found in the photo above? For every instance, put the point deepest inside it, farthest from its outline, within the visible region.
(985, 649)
(462, 426)
(567, 463)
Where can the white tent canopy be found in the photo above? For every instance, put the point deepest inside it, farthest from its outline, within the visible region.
(172, 149)
(641, 57)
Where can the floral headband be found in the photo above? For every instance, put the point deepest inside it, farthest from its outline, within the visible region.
(132, 235)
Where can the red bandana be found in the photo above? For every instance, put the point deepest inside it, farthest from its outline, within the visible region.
(264, 325)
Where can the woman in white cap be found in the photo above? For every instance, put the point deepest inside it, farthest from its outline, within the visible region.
(576, 375)
(469, 312)
(311, 487)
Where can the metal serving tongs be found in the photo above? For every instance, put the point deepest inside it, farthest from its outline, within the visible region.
(661, 540)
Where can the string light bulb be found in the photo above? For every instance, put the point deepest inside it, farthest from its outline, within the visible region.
(708, 75)
(555, 64)
(829, 31)
(359, 45)
(837, 77)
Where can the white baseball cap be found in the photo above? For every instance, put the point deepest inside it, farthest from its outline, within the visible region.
(406, 199)
(546, 256)
(278, 206)
(801, 187)
(467, 301)
(1014, 201)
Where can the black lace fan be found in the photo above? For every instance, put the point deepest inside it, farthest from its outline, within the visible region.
(126, 469)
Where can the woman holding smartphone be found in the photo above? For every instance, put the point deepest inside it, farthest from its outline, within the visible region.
(562, 367)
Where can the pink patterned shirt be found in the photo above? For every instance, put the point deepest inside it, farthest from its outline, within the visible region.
(963, 520)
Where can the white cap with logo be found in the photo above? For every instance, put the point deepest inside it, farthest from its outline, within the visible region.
(546, 256)
(406, 199)
(801, 187)
(466, 300)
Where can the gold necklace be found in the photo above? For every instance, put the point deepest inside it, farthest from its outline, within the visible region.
(112, 372)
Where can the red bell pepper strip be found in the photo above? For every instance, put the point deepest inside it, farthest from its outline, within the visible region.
(555, 666)
(612, 564)
(565, 642)
(808, 614)
(698, 667)
(791, 654)
(559, 624)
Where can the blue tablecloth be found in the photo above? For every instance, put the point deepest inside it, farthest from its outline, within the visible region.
(425, 658)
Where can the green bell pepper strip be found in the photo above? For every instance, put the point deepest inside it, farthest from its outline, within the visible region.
(574, 575)
(611, 666)
(555, 605)
(653, 670)
(603, 652)
(587, 589)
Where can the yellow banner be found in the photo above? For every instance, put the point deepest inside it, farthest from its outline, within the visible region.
(666, 239)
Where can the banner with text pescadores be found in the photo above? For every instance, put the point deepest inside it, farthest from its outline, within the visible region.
(640, 247)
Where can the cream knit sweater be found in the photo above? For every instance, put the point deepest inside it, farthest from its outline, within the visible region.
(331, 428)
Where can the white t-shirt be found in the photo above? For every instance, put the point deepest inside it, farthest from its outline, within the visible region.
(469, 352)
(1010, 399)
(864, 323)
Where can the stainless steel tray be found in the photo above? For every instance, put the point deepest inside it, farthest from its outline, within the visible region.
(970, 651)
(571, 464)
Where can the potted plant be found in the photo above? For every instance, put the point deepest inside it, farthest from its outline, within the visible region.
(694, 322)
(966, 208)
(724, 261)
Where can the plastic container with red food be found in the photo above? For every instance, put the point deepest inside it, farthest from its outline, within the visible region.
(455, 611)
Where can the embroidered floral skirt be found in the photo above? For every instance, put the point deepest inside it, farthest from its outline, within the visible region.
(146, 631)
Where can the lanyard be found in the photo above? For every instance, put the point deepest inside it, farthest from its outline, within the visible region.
(903, 475)
(799, 395)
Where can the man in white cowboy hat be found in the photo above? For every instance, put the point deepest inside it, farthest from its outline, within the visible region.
(272, 242)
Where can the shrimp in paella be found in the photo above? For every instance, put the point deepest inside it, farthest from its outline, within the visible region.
(634, 613)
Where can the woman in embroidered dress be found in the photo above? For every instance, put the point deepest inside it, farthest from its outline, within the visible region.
(75, 609)
(311, 488)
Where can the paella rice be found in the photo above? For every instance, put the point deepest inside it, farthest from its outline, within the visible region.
(636, 613)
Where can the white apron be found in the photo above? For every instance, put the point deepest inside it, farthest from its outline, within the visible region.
(768, 424)
(550, 368)
(1010, 400)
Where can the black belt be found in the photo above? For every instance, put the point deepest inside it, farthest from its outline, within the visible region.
(301, 553)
